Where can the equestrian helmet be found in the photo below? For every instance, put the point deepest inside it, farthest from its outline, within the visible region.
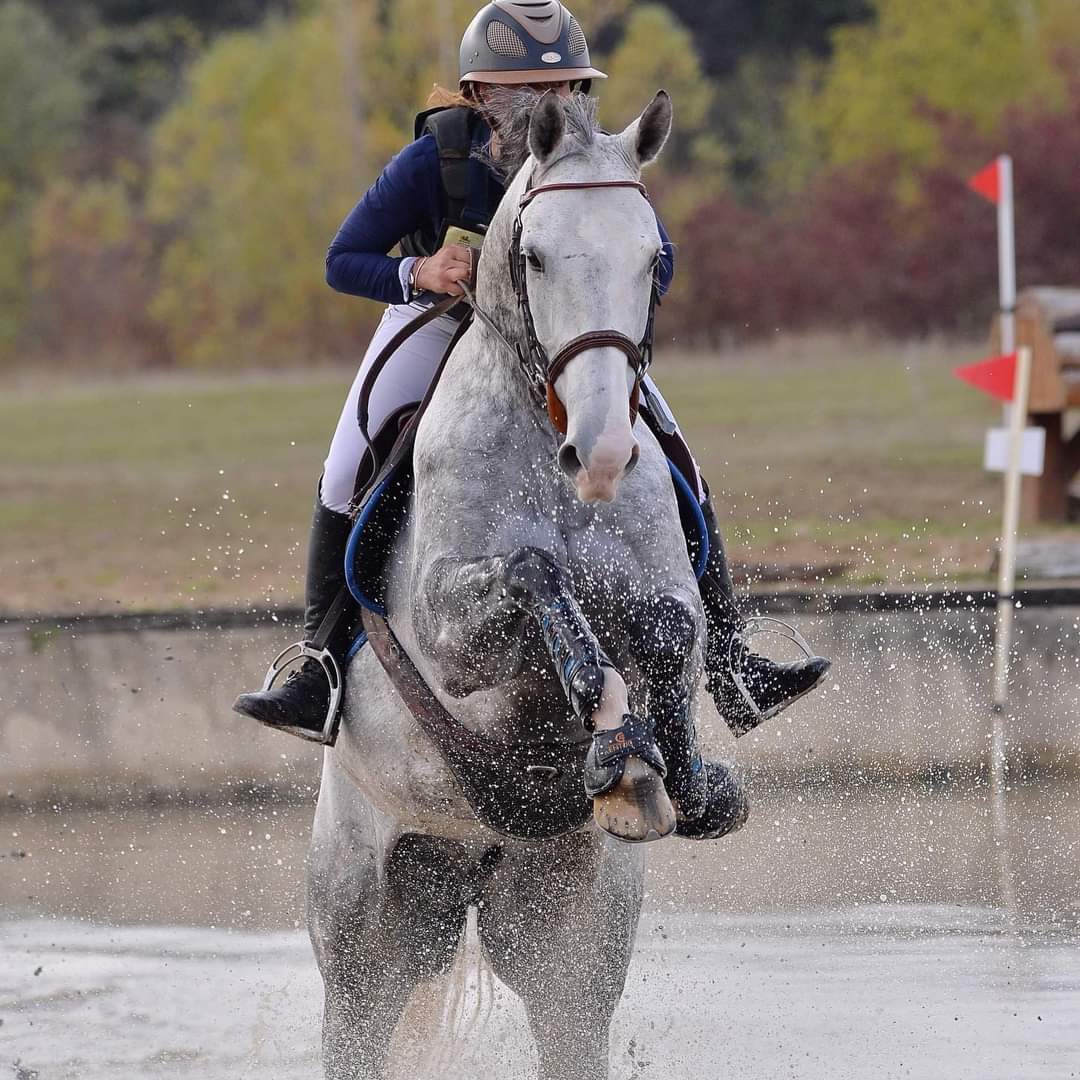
(526, 41)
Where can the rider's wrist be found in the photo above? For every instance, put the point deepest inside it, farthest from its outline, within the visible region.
(414, 276)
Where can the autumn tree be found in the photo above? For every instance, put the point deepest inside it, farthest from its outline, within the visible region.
(730, 32)
(253, 170)
(41, 104)
(888, 80)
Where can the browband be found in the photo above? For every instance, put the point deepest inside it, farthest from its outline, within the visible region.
(531, 193)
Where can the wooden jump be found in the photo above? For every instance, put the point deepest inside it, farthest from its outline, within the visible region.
(1048, 321)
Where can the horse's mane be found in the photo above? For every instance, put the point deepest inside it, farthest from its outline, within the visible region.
(511, 112)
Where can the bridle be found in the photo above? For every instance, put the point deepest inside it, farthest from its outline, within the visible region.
(542, 370)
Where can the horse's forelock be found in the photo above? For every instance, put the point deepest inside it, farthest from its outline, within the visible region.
(511, 109)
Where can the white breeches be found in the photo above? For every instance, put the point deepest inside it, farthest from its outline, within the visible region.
(403, 380)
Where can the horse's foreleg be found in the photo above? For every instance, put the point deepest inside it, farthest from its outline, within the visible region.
(474, 616)
(558, 923)
(385, 913)
(666, 631)
(468, 625)
(492, 599)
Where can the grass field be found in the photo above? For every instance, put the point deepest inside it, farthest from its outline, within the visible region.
(837, 457)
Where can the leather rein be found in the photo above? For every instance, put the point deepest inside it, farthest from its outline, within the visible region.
(541, 369)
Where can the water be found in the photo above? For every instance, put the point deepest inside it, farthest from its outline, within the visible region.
(870, 931)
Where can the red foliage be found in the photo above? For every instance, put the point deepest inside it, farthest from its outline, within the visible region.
(854, 251)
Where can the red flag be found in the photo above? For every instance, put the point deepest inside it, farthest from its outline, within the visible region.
(995, 376)
(987, 182)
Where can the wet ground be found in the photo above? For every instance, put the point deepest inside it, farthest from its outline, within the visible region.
(866, 932)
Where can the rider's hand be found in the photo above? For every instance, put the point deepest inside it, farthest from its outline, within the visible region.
(444, 272)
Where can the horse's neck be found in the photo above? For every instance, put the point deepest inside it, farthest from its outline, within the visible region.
(494, 290)
(485, 376)
(485, 361)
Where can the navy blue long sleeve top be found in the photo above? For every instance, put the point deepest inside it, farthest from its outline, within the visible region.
(408, 196)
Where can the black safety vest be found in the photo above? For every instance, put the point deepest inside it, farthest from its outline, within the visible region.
(454, 129)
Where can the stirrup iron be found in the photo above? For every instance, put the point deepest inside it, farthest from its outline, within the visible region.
(302, 650)
(754, 627)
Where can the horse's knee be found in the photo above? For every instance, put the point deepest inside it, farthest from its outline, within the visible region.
(531, 574)
(664, 635)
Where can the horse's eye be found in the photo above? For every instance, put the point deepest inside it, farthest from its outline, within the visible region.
(535, 261)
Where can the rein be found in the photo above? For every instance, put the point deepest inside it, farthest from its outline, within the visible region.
(540, 370)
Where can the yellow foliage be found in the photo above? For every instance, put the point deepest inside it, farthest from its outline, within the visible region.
(282, 129)
(253, 171)
(971, 59)
(657, 52)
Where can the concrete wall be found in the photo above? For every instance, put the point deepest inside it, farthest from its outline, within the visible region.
(93, 714)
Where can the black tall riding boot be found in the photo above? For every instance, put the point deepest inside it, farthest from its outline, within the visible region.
(301, 705)
(746, 687)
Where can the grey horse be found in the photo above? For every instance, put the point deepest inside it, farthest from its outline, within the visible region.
(510, 521)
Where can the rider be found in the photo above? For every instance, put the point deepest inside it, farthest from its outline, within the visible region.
(436, 191)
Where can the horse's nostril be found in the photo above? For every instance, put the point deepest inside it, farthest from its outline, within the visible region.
(569, 461)
(634, 455)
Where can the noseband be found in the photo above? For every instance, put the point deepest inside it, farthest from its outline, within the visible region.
(542, 370)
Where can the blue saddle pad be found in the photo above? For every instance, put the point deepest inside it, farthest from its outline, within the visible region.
(383, 514)
(381, 517)
(693, 521)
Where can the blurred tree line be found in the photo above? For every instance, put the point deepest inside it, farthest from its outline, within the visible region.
(172, 170)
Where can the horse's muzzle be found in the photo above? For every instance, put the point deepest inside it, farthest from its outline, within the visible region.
(597, 474)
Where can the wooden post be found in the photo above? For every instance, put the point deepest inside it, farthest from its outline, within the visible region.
(1006, 220)
(1046, 497)
(1010, 526)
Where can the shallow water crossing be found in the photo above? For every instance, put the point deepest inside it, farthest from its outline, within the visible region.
(870, 931)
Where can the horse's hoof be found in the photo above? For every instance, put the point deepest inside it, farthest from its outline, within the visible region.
(637, 809)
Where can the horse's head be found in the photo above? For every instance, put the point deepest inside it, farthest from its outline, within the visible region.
(584, 260)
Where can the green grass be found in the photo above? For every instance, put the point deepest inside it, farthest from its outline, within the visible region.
(153, 493)
(143, 492)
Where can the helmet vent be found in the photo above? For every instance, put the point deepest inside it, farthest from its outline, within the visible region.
(578, 44)
(542, 20)
(502, 41)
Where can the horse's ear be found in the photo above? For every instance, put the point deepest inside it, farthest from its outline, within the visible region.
(648, 133)
(546, 126)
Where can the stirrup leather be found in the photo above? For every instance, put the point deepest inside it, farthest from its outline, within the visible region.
(303, 650)
(753, 628)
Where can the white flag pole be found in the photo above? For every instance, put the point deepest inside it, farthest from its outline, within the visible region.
(1010, 527)
(1006, 260)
